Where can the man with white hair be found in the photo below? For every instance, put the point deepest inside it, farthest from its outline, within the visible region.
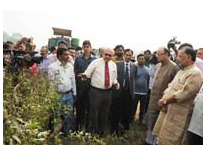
(103, 74)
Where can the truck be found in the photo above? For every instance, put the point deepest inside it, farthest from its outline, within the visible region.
(65, 35)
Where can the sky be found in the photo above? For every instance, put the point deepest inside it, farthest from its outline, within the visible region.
(135, 24)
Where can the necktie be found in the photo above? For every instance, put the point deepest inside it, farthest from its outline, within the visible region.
(127, 76)
(107, 79)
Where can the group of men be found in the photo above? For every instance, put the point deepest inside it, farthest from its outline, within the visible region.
(111, 86)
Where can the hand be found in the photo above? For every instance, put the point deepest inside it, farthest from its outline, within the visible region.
(160, 103)
(82, 76)
(117, 86)
(164, 108)
(74, 98)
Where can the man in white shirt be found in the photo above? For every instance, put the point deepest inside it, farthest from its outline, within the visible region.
(43, 66)
(103, 74)
(61, 73)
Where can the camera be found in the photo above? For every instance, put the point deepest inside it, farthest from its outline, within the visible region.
(172, 48)
(16, 59)
(172, 42)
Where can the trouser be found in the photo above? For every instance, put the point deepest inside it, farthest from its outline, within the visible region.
(67, 111)
(99, 108)
(194, 139)
(121, 111)
(152, 116)
(82, 108)
(147, 100)
(142, 99)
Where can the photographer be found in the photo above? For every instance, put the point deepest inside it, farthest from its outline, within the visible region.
(21, 59)
(25, 44)
(172, 48)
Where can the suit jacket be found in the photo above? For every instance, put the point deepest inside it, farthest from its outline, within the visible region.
(120, 77)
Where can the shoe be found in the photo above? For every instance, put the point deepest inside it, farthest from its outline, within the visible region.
(146, 143)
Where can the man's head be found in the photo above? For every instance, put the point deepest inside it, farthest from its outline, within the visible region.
(186, 56)
(162, 54)
(86, 46)
(44, 51)
(128, 53)
(147, 54)
(21, 46)
(53, 50)
(10, 45)
(101, 52)
(140, 59)
(62, 44)
(200, 53)
(62, 55)
(71, 51)
(185, 45)
(107, 53)
(119, 50)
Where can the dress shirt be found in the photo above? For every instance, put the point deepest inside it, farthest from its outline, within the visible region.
(199, 64)
(126, 64)
(96, 71)
(196, 123)
(80, 65)
(152, 69)
(53, 58)
(62, 76)
(43, 66)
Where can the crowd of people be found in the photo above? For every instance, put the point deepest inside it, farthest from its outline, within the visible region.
(104, 91)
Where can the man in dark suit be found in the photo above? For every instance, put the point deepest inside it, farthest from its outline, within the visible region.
(121, 108)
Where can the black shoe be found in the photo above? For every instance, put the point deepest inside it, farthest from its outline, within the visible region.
(146, 143)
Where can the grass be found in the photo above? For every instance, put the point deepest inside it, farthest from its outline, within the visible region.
(135, 136)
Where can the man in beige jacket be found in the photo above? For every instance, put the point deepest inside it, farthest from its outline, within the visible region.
(177, 102)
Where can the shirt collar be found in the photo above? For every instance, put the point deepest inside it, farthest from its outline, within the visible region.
(60, 63)
(189, 67)
(90, 56)
(127, 62)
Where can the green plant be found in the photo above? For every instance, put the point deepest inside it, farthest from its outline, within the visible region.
(27, 108)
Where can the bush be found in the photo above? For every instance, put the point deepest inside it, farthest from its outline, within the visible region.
(27, 109)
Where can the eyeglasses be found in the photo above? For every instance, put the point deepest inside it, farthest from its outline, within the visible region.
(158, 54)
(109, 55)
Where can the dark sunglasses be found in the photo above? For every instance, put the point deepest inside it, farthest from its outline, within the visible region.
(109, 55)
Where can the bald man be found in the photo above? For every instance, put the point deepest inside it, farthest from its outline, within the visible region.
(103, 74)
(164, 74)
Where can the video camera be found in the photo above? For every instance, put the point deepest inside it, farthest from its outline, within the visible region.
(172, 47)
(172, 42)
(20, 58)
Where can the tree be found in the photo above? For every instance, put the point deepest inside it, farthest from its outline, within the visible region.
(14, 38)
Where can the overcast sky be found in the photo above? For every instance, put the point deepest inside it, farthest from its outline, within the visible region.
(138, 25)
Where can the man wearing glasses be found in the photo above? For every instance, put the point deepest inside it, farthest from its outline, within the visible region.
(103, 74)
(164, 74)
